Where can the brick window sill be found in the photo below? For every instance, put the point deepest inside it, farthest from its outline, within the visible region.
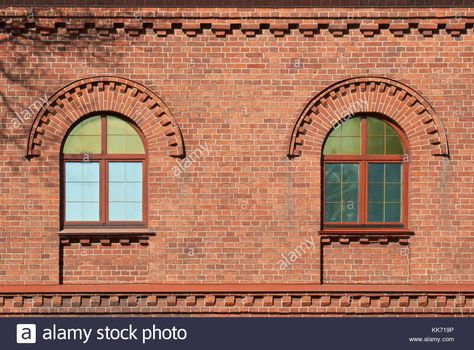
(365, 235)
(106, 231)
(105, 235)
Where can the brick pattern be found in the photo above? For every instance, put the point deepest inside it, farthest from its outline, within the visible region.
(104, 263)
(372, 263)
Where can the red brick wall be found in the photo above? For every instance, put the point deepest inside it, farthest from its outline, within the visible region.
(366, 264)
(233, 213)
(97, 263)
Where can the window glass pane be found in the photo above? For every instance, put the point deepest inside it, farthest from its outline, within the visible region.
(351, 127)
(375, 145)
(332, 145)
(125, 191)
(384, 192)
(82, 191)
(350, 145)
(333, 212)
(393, 145)
(84, 138)
(345, 138)
(122, 137)
(341, 192)
(375, 127)
(382, 138)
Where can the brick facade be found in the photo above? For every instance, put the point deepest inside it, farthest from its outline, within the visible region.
(235, 105)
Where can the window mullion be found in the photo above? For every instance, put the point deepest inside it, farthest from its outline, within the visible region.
(363, 192)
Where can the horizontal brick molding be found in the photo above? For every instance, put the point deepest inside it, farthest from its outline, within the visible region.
(103, 94)
(243, 3)
(392, 99)
(257, 299)
(134, 22)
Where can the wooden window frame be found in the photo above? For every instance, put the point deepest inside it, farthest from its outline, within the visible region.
(104, 159)
(363, 225)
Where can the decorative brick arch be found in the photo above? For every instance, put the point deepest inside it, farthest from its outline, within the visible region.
(99, 94)
(394, 100)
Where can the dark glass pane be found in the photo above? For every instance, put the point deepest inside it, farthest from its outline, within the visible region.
(333, 192)
(384, 195)
(375, 145)
(332, 212)
(350, 172)
(375, 127)
(393, 172)
(376, 212)
(376, 172)
(393, 145)
(350, 212)
(392, 192)
(392, 212)
(376, 193)
(350, 192)
(333, 172)
(341, 207)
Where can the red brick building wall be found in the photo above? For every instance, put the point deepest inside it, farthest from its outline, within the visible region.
(234, 180)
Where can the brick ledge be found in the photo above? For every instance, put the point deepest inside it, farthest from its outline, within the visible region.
(238, 299)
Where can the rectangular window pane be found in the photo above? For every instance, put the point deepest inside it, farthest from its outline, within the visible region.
(341, 192)
(125, 191)
(384, 192)
(82, 191)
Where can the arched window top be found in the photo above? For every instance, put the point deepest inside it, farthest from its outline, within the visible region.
(363, 135)
(112, 133)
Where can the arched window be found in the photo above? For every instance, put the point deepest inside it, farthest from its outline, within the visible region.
(104, 173)
(365, 175)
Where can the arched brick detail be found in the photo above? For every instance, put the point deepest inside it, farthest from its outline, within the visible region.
(98, 94)
(397, 101)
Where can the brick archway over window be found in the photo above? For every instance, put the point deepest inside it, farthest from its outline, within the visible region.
(99, 94)
(397, 101)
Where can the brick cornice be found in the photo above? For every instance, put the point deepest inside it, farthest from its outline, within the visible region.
(134, 22)
(99, 94)
(255, 299)
(402, 104)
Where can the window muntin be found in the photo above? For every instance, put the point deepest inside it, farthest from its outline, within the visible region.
(376, 194)
(105, 187)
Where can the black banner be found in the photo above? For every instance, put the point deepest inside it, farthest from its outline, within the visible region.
(237, 333)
